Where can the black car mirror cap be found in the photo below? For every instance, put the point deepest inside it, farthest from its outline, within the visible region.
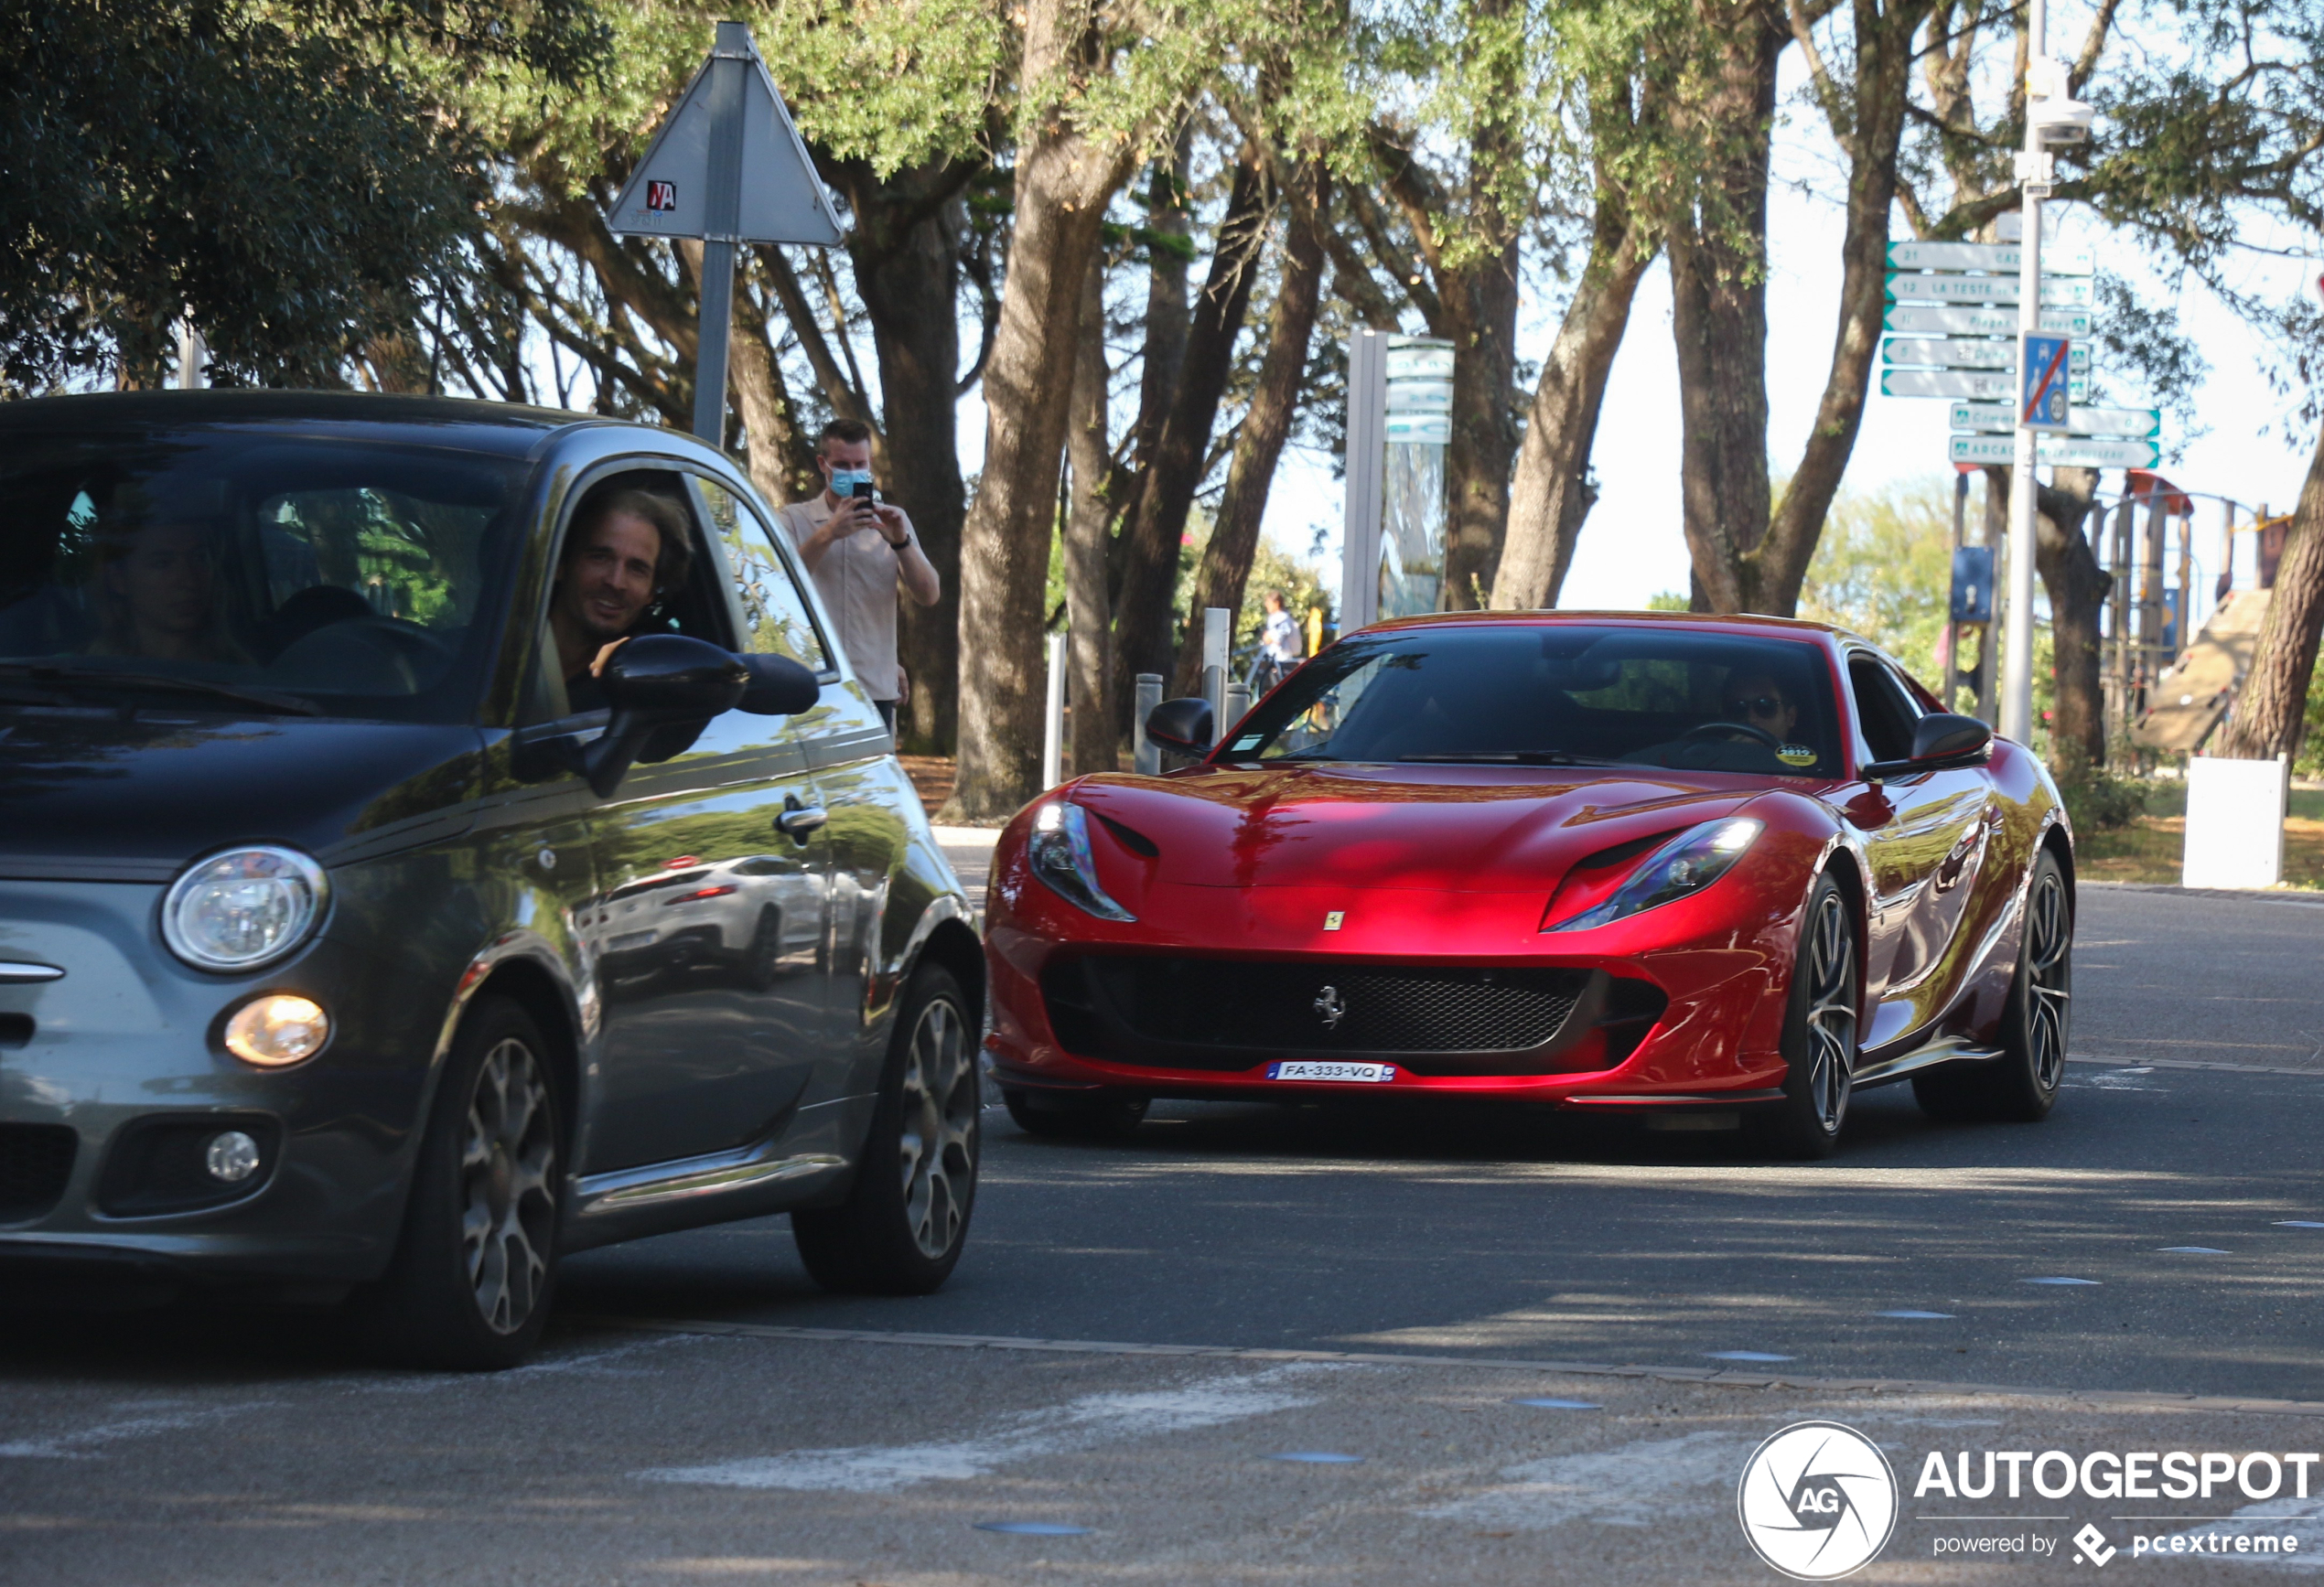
(779, 686)
(1182, 725)
(651, 683)
(1939, 741)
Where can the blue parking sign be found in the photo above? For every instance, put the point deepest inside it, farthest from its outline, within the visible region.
(2042, 377)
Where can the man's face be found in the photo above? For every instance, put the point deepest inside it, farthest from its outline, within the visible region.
(608, 579)
(1757, 700)
(838, 454)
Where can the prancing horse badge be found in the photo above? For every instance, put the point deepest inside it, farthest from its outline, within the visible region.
(1331, 921)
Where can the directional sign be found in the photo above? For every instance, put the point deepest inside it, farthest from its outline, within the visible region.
(2056, 259)
(2041, 400)
(1421, 429)
(1965, 353)
(2062, 292)
(1996, 386)
(2141, 424)
(1417, 358)
(669, 194)
(1419, 396)
(2059, 451)
(1925, 319)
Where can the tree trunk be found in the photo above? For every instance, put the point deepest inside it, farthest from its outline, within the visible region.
(1881, 89)
(2271, 713)
(1266, 424)
(1157, 525)
(1063, 181)
(1718, 308)
(1168, 311)
(1480, 316)
(1551, 494)
(1089, 514)
(2077, 585)
(907, 273)
(779, 455)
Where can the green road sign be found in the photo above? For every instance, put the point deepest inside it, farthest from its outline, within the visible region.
(1982, 385)
(2137, 423)
(1964, 353)
(2062, 292)
(1938, 319)
(2073, 259)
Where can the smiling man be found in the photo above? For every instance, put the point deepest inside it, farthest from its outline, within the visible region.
(627, 547)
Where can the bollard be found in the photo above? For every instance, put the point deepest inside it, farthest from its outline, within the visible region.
(1053, 717)
(1145, 756)
(1238, 707)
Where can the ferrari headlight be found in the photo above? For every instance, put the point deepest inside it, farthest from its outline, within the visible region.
(243, 908)
(1059, 851)
(1685, 866)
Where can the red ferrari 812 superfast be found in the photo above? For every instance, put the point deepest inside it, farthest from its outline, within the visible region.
(1620, 863)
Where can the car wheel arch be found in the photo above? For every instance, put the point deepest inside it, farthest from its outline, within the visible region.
(535, 989)
(953, 944)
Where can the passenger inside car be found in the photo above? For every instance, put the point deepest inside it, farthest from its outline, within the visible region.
(156, 594)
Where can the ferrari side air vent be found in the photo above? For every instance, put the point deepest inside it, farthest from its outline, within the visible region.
(1138, 842)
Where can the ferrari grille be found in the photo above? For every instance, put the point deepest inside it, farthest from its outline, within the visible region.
(35, 1161)
(1222, 1010)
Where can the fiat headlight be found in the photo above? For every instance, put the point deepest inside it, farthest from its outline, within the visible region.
(243, 908)
(1059, 851)
(1685, 866)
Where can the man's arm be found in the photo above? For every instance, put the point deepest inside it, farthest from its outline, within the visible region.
(913, 570)
(817, 541)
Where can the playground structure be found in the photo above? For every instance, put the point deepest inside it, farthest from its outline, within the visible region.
(2165, 693)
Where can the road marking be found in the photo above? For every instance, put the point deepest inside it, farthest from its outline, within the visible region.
(1082, 1423)
(2108, 1399)
(2143, 1061)
(83, 1444)
(1632, 1485)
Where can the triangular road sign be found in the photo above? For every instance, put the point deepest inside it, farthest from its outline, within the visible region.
(780, 200)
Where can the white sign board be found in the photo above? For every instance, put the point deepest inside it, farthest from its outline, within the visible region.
(2234, 823)
(1996, 386)
(2069, 259)
(1965, 353)
(2131, 423)
(1934, 319)
(2066, 291)
(2057, 451)
(782, 199)
(1419, 396)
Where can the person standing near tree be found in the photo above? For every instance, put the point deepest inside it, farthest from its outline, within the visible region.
(860, 551)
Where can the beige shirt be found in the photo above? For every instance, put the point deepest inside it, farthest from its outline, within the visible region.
(859, 579)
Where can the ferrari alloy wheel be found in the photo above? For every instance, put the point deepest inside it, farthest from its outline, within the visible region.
(899, 1231)
(1075, 1115)
(2022, 1083)
(472, 1278)
(1819, 1029)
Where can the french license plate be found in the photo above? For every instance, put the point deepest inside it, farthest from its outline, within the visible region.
(1312, 1069)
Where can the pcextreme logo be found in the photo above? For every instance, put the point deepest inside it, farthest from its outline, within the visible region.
(1817, 1501)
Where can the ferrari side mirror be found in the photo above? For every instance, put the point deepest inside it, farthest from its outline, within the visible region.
(1183, 725)
(1939, 741)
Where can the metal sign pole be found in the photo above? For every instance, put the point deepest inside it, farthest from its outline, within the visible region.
(2016, 677)
(730, 58)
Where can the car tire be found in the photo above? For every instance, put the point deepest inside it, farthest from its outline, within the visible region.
(763, 959)
(2021, 1084)
(901, 1228)
(474, 1274)
(1075, 1115)
(1819, 1029)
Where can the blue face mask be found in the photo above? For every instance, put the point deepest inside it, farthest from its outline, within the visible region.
(844, 480)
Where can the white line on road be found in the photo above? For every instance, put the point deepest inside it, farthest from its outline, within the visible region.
(84, 1444)
(1082, 1423)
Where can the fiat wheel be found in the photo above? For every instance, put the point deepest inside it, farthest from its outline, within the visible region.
(1819, 1029)
(901, 1230)
(472, 1277)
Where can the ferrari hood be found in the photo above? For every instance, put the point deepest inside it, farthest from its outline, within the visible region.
(1459, 829)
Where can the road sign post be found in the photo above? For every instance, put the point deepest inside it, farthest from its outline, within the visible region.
(726, 166)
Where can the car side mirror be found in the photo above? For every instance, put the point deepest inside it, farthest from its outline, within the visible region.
(1183, 725)
(651, 683)
(1939, 741)
(779, 686)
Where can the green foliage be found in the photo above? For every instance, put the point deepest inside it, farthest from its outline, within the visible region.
(2100, 802)
(2310, 760)
(1274, 569)
(275, 168)
(1883, 569)
(1669, 601)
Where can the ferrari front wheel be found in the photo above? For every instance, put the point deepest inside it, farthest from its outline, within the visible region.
(2022, 1083)
(1819, 1029)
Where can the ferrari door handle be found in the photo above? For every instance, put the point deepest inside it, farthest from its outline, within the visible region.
(799, 821)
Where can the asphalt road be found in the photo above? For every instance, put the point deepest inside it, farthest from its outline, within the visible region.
(1387, 1283)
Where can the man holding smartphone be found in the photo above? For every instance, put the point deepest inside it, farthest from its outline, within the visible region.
(860, 551)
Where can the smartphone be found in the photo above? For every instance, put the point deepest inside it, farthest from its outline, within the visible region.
(866, 492)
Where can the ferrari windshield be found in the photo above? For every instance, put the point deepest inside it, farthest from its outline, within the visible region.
(1555, 695)
(232, 569)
